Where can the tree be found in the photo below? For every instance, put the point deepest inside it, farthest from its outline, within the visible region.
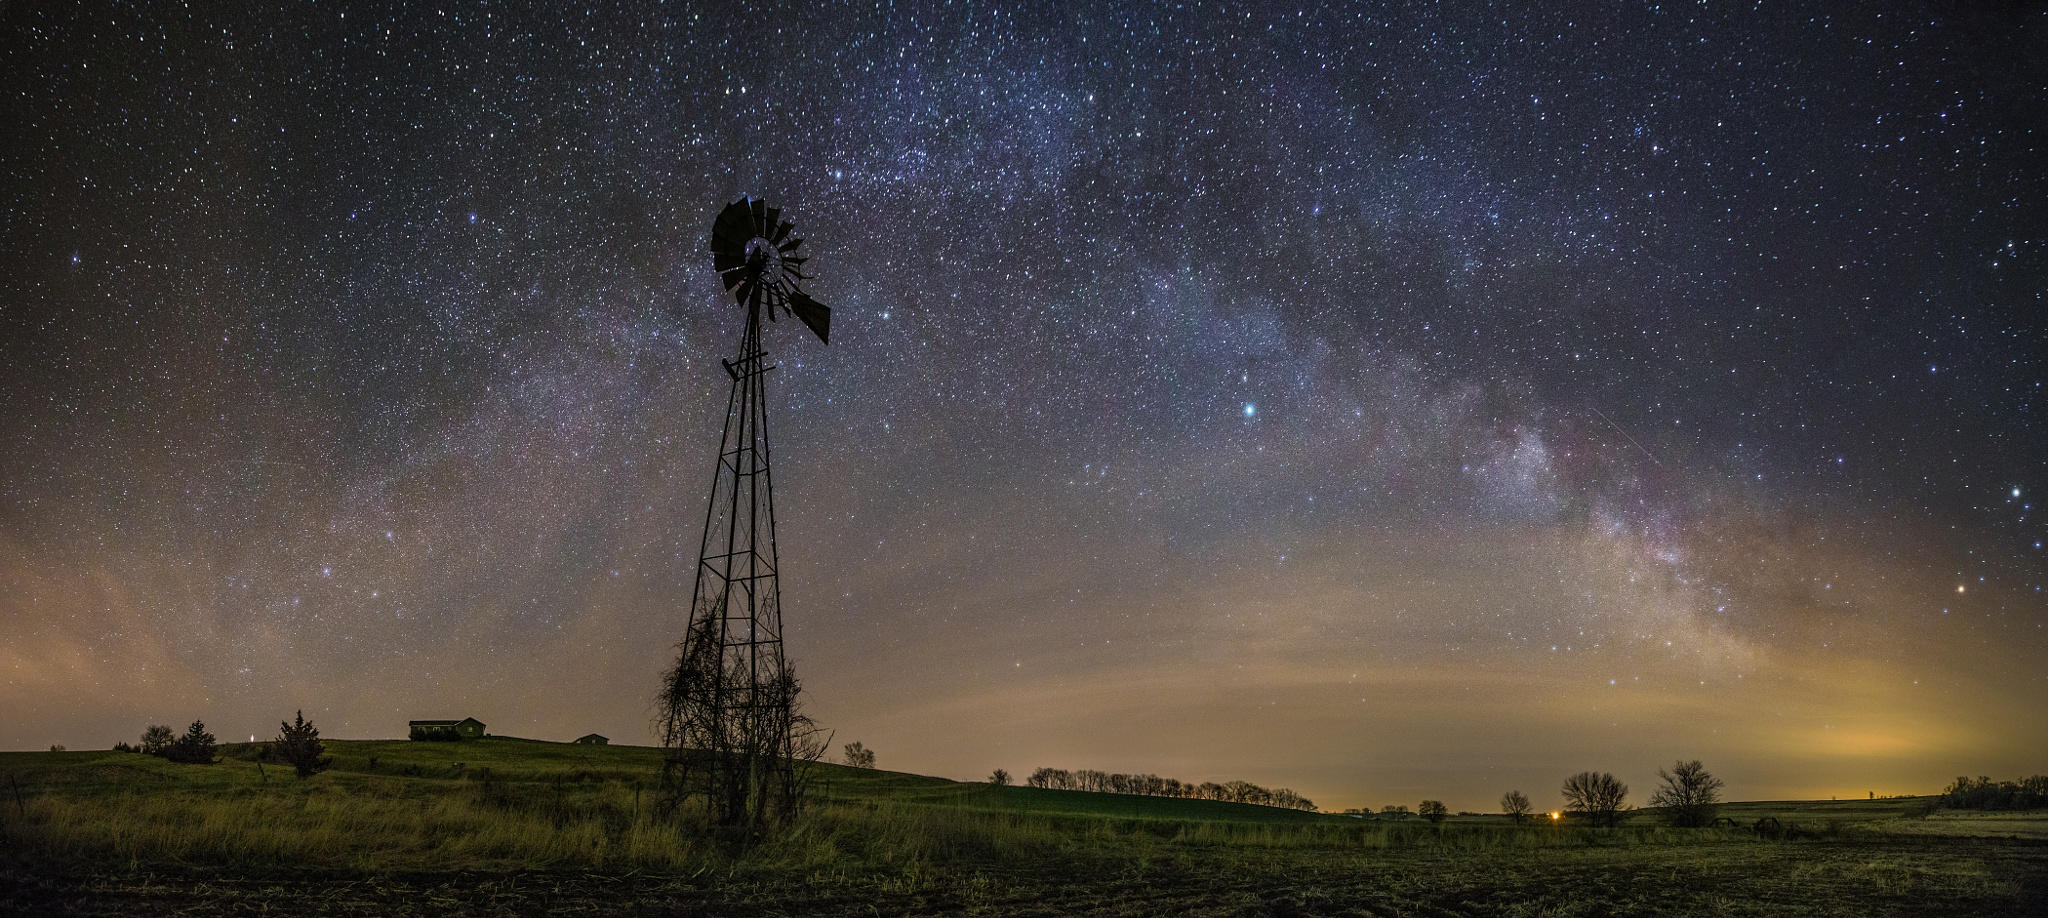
(1396, 810)
(1516, 805)
(859, 756)
(1433, 810)
(194, 748)
(1597, 795)
(1690, 794)
(157, 739)
(999, 778)
(298, 743)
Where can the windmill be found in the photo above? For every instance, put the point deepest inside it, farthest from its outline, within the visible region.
(731, 721)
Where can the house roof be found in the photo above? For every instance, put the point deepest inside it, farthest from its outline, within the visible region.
(592, 736)
(443, 723)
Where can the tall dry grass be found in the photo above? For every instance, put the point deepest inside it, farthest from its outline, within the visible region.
(425, 811)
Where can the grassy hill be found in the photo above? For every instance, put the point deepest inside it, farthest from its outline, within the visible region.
(400, 826)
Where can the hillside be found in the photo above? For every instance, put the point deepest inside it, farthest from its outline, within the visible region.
(507, 824)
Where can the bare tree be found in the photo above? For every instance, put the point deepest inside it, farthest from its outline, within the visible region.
(1051, 778)
(859, 756)
(999, 778)
(1433, 810)
(1597, 795)
(157, 739)
(1689, 792)
(1516, 805)
(1287, 798)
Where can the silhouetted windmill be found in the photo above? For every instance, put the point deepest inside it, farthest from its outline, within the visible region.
(731, 719)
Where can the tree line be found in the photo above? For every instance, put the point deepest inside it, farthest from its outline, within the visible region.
(297, 744)
(1150, 785)
(1982, 793)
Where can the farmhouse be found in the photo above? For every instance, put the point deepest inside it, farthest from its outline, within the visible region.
(466, 728)
(592, 739)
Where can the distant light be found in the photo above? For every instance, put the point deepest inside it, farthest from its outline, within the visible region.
(2015, 491)
(1960, 588)
(1250, 410)
(1555, 815)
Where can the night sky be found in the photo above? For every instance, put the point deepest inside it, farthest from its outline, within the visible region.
(1384, 404)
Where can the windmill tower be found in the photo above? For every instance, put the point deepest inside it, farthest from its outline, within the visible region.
(730, 719)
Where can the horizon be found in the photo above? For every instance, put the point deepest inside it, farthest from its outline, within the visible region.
(1384, 405)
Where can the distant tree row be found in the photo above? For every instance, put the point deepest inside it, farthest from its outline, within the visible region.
(1982, 793)
(1156, 786)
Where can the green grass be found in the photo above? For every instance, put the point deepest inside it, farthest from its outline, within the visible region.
(398, 826)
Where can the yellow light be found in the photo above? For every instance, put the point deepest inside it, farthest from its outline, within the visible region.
(1555, 815)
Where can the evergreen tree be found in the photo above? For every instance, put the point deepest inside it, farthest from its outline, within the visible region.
(194, 748)
(299, 743)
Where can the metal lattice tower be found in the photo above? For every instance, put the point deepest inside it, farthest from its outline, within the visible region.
(731, 721)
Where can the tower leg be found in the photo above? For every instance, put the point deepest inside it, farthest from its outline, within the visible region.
(730, 714)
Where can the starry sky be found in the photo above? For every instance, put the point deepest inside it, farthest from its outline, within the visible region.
(1385, 403)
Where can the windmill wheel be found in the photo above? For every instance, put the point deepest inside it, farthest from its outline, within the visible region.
(757, 260)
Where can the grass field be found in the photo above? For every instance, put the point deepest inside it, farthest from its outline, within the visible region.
(517, 826)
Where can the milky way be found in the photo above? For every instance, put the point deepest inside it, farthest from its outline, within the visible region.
(1378, 403)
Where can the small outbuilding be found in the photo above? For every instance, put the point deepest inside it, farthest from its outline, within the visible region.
(592, 739)
(466, 728)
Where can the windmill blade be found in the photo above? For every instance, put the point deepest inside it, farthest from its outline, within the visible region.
(781, 230)
(730, 233)
(731, 277)
(769, 219)
(791, 245)
(733, 228)
(760, 218)
(812, 313)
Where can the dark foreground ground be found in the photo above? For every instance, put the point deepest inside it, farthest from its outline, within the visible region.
(1945, 876)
